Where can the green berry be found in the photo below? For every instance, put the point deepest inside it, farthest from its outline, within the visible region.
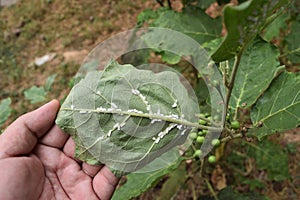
(200, 139)
(197, 153)
(200, 133)
(205, 132)
(193, 135)
(202, 122)
(215, 142)
(235, 124)
(206, 114)
(212, 159)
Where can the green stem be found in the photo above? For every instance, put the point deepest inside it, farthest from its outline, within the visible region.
(232, 78)
(147, 115)
(211, 189)
(228, 138)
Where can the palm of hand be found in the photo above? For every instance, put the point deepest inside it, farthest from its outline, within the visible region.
(35, 165)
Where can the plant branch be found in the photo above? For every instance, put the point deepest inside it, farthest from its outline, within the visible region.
(232, 78)
(211, 189)
(226, 139)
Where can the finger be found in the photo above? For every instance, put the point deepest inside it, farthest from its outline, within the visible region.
(69, 149)
(91, 170)
(21, 136)
(55, 138)
(104, 183)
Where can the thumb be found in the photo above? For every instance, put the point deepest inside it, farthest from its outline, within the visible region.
(21, 136)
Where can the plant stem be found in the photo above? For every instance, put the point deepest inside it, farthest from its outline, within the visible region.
(211, 189)
(146, 115)
(232, 78)
(226, 139)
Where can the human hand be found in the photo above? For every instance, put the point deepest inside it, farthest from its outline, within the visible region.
(36, 161)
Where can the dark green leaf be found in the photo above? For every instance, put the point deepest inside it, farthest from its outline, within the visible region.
(35, 94)
(125, 117)
(243, 22)
(279, 107)
(255, 73)
(273, 29)
(137, 183)
(176, 179)
(192, 22)
(5, 110)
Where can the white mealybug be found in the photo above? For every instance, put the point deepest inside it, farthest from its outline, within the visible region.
(72, 106)
(82, 111)
(179, 126)
(174, 104)
(114, 106)
(136, 92)
(157, 140)
(183, 132)
(98, 92)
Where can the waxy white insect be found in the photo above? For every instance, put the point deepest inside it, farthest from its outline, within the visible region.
(174, 104)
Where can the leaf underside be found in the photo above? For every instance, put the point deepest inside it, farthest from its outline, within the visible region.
(125, 118)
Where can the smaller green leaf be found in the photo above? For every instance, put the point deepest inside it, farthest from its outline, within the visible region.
(35, 94)
(5, 110)
(255, 73)
(172, 185)
(243, 22)
(137, 183)
(50, 80)
(273, 29)
(278, 109)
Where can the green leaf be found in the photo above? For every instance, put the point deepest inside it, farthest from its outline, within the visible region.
(243, 22)
(292, 50)
(254, 74)
(137, 183)
(192, 22)
(278, 109)
(5, 110)
(50, 80)
(176, 179)
(273, 29)
(125, 117)
(35, 94)
(270, 157)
